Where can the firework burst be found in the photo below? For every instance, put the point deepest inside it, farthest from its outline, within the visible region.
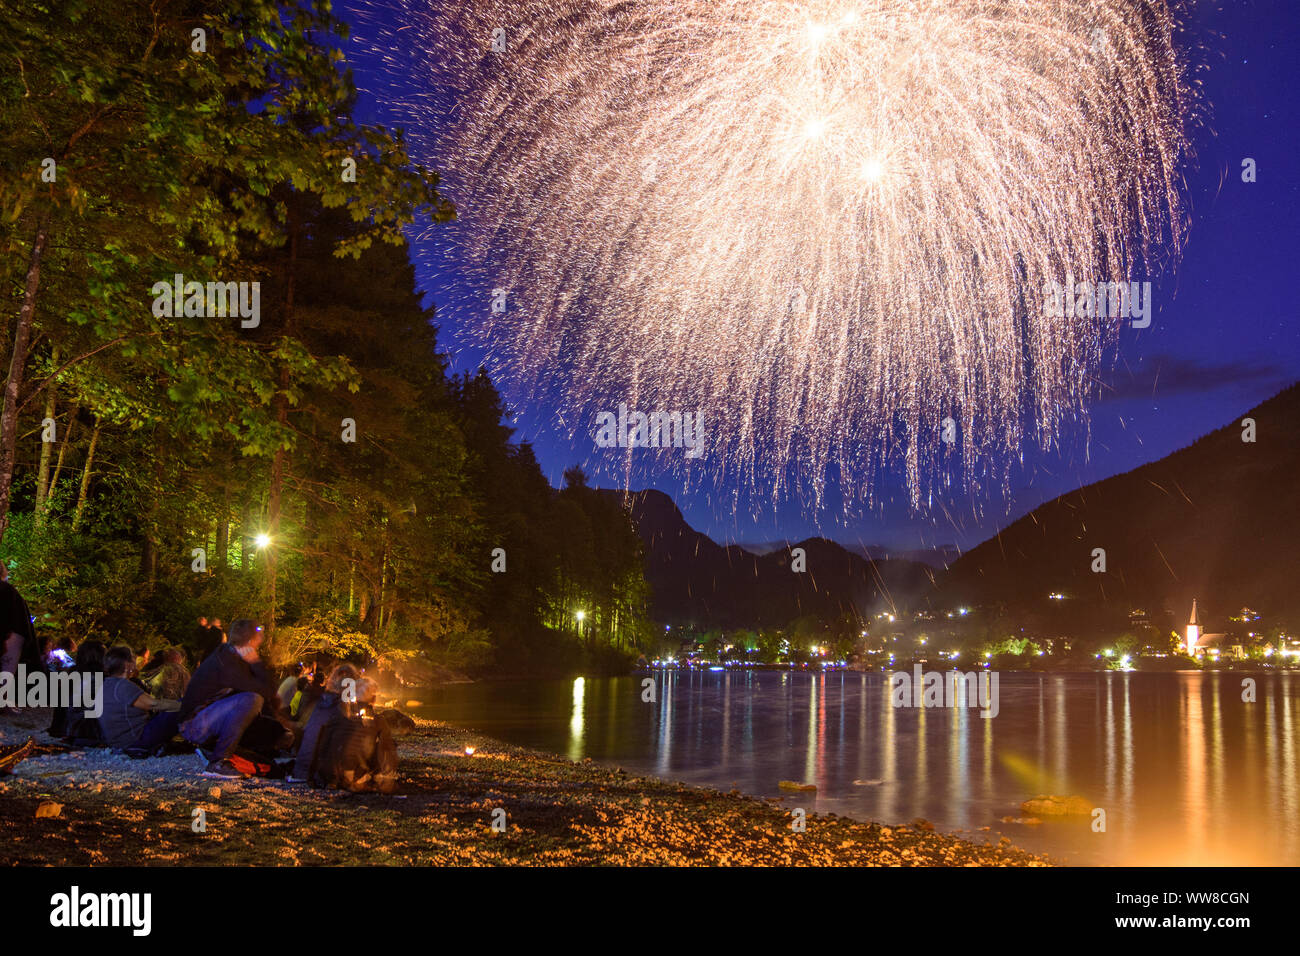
(827, 224)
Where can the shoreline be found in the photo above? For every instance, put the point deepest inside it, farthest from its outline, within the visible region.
(491, 678)
(121, 812)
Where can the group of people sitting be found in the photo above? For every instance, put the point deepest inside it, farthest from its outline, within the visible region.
(318, 726)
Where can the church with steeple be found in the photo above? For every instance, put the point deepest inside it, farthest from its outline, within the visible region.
(1199, 643)
(1193, 631)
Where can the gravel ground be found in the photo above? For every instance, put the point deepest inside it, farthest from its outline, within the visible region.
(117, 811)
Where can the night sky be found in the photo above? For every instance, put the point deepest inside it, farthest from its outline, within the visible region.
(1222, 337)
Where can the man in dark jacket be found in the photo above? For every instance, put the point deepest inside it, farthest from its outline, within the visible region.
(226, 694)
(17, 635)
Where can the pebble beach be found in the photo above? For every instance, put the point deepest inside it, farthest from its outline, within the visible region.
(94, 808)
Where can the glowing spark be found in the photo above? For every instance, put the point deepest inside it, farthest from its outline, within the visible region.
(872, 170)
(626, 171)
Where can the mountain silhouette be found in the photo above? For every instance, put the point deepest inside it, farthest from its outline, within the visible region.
(695, 580)
(1217, 521)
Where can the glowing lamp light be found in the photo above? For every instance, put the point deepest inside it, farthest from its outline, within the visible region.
(262, 540)
(581, 615)
(814, 128)
(469, 751)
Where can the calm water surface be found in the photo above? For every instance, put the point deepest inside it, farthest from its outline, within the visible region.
(1186, 771)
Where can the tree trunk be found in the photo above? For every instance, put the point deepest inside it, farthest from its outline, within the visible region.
(63, 452)
(245, 534)
(275, 493)
(17, 363)
(43, 472)
(383, 580)
(223, 533)
(85, 479)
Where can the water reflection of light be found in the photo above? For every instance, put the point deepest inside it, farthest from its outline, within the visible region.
(1195, 810)
(726, 720)
(1126, 784)
(988, 757)
(889, 744)
(1289, 743)
(1060, 740)
(1220, 795)
(958, 751)
(922, 771)
(666, 721)
(810, 756)
(576, 729)
(1108, 738)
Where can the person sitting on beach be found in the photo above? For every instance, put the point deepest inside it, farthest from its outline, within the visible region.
(72, 723)
(310, 691)
(139, 660)
(356, 750)
(171, 677)
(227, 693)
(132, 720)
(289, 686)
(328, 709)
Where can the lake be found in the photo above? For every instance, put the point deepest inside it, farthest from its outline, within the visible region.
(1186, 771)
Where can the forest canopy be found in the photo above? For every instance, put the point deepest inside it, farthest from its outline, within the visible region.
(287, 442)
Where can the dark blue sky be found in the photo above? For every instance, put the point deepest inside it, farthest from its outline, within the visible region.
(1222, 339)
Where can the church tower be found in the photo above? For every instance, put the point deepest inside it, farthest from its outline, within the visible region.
(1193, 631)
